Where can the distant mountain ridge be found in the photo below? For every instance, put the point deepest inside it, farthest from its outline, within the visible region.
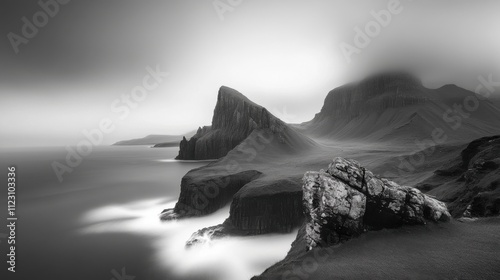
(152, 139)
(395, 106)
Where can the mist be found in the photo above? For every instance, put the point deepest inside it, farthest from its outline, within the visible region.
(284, 55)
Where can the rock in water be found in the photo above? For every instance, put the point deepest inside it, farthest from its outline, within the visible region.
(347, 200)
(206, 235)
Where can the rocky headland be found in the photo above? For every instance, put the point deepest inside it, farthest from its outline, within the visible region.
(234, 119)
(261, 162)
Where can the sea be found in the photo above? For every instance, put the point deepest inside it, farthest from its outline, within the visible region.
(102, 220)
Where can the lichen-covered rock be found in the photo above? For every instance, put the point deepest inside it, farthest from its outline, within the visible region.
(333, 209)
(347, 200)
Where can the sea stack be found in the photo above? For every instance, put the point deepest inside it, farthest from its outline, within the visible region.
(235, 117)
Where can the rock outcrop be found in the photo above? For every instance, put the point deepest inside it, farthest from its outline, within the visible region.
(234, 119)
(470, 183)
(205, 194)
(346, 200)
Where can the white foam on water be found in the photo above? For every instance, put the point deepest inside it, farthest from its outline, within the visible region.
(230, 258)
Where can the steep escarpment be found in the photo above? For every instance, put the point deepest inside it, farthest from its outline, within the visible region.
(395, 106)
(202, 195)
(235, 117)
(470, 182)
(267, 206)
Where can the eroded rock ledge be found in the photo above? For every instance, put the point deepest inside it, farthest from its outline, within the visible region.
(204, 194)
(346, 200)
(267, 206)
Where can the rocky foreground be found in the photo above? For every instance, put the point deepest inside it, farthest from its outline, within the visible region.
(347, 200)
(261, 160)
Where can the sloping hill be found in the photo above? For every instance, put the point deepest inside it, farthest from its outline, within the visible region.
(471, 180)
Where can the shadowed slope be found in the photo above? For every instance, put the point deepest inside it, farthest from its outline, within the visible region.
(470, 181)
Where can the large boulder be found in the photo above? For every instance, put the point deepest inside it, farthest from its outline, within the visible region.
(346, 200)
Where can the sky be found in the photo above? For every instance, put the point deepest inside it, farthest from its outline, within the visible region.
(65, 68)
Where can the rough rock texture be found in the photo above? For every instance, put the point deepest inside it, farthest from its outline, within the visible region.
(347, 200)
(470, 183)
(235, 117)
(204, 195)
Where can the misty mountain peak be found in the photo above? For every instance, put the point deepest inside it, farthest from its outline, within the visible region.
(390, 79)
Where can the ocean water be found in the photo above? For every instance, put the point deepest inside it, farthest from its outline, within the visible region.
(101, 221)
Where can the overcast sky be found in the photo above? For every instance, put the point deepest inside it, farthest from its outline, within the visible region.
(285, 55)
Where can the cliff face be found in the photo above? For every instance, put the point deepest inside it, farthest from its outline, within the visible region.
(235, 117)
(202, 195)
(261, 206)
(255, 138)
(277, 210)
(470, 183)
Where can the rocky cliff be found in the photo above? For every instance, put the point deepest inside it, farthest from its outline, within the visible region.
(202, 195)
(470, 183)
(235, 117)
(259, 204)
